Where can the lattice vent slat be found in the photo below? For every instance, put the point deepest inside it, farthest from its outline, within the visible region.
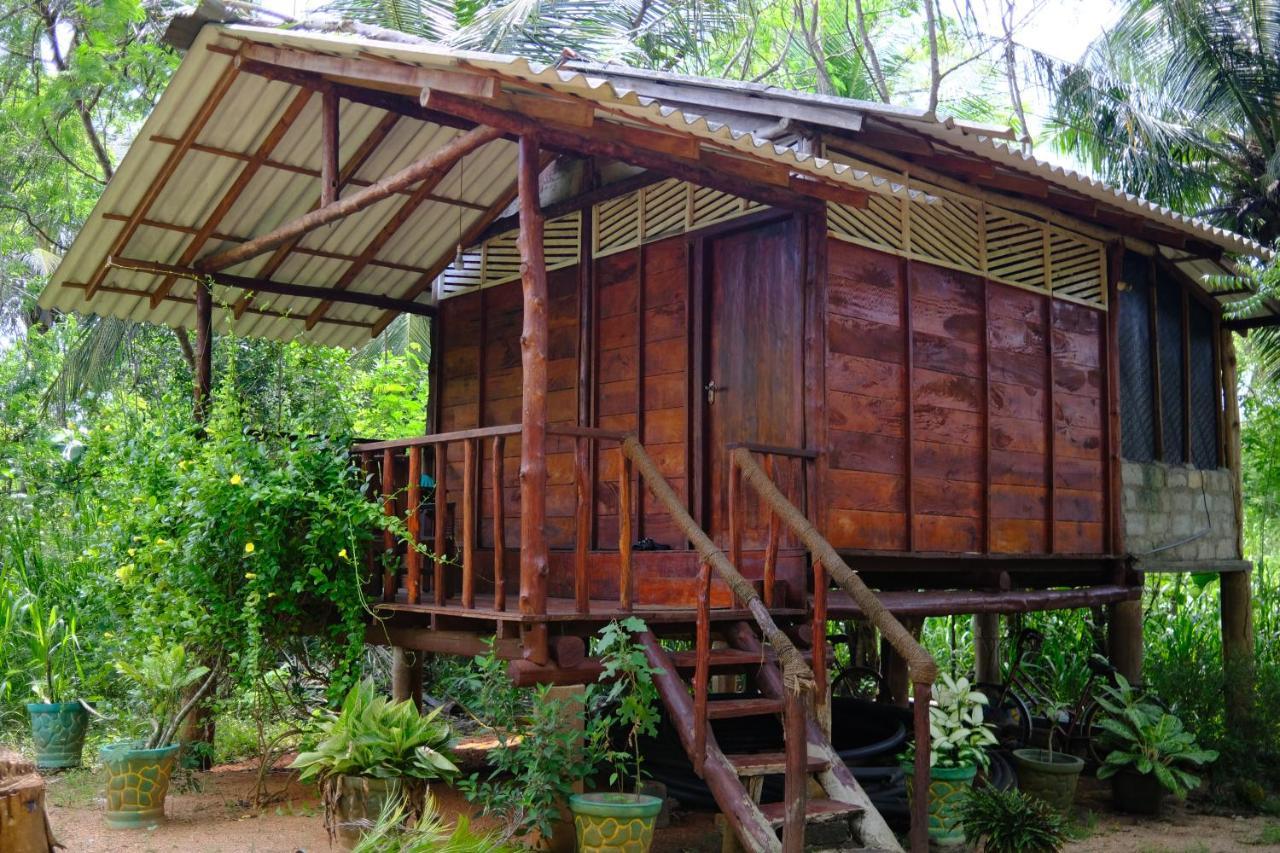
(947, 231)
(665, 208)
(497, 260)
(879, 224)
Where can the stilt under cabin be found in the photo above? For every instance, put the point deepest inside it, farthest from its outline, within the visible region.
(739, 361)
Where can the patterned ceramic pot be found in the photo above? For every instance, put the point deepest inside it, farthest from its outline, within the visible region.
(137, 782)
(360, 801)
(614, 823)
(1050, 776)
(58, 730)
(948, 787)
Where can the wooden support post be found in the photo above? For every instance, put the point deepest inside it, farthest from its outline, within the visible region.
(412, 559)
(533, 407)
(897, 678)
(329, 146)
(388, 538)
(920, 776)
(735, 516)
(1124, 638)
(796, 779)
(702, 667)
(204, 350)
(986, 647)
(819, 637)
(440, 592)
(1237, 646)
(499, 531)
(582, 535)
(771, 544)
(469, 523)
(406, 675)
(626, 580)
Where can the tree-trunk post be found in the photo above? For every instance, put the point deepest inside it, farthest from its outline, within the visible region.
(533, 407)
(406, 675)
(1237, 602)
(986, 647)
(1124, 638)
(896, 676)
(204, 350)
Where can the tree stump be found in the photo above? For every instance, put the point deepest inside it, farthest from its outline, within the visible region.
(24, 827)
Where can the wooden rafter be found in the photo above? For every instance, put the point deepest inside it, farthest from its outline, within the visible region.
(237, 188)
(408, 176)
(373, 71)
(171, 163)
(305, 291)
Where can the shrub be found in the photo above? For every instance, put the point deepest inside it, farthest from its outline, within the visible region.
(1011, 822)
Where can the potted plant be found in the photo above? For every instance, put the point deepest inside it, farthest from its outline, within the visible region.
(621, 820)
(1052, 776)
(1151, 753)
(959, 740)
(1011, 822)
(58, 725)
(138, 771)
(374, 754)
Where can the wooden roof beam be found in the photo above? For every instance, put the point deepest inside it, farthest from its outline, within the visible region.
(367, 70)
(280, 288)
(442, 157)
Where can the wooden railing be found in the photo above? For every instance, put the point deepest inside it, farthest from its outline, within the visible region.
(430, 454)
(826, 560)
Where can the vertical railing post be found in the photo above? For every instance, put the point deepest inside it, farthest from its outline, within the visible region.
(367, 467)
(796, 781)
(413, 559)
(582, 540)
(533, 405)
(442, 509)
(468, 523)
(499, 529)
(626, 583)
(819, 635)
(702, 667)
(920, 778)
(388, 538)
(772, 544)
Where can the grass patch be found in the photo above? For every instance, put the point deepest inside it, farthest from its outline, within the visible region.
(1198, 847)
(1269, 836)
(74, 789)
(1082, 826)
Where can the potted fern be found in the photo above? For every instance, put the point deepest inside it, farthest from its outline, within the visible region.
(372, 755)
(1151, 753)
(959, 740)
(58, 722)
(1011, 822)
(625, 702)
(138, 771)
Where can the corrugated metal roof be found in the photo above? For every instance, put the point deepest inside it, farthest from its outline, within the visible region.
(286, 187)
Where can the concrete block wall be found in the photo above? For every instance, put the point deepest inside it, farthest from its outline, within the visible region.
(1169, 503)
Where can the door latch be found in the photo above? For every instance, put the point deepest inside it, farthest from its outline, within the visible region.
(711, 390)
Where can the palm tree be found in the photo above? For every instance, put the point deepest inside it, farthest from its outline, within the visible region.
(1177, 103)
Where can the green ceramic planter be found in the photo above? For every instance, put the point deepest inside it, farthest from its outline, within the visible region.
(137, 783)
(1138, 793)
(614, 823)
(1053, 781)
(58, 730)
(948, 787)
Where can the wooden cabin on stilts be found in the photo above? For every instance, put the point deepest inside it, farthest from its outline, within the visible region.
(737, 360)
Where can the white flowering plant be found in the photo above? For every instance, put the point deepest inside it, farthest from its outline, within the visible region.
(958, 736)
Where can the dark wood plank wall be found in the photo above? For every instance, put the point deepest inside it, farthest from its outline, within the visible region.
(942, 436)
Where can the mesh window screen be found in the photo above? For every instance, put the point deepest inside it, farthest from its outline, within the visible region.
(1137, 403)
(1204, 403)
(1169, 335)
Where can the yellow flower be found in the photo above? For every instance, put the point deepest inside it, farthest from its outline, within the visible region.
(271, 595)
(248, 547)
(132, 551)
(343, 553)
(235, 480)
(250, 575)
(160, 541)
(124, 572)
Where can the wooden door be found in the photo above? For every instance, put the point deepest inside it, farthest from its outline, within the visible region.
(756, 358)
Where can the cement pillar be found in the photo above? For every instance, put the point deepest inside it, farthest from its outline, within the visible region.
(986, 648)
(406, 675)
(1237, 645)
(1124, 638)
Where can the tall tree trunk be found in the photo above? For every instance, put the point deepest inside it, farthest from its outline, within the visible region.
(935, 73)
(868, 50)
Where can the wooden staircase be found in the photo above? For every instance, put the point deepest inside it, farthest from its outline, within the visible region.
(841, 818)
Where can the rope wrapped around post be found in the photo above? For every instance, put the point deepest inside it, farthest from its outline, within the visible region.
(923, 668)
(797, 677)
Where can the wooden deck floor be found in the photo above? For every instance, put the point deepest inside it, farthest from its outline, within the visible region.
(564, 610)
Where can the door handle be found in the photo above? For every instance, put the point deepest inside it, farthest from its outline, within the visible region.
(711, 389)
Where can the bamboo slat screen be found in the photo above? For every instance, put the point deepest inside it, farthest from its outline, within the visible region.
(661, 210)
(497, 260)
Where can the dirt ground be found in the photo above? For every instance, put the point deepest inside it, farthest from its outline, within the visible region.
(214, 814)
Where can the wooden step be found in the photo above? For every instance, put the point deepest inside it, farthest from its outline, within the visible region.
(720, 709)
(815, 811)
(771, 763)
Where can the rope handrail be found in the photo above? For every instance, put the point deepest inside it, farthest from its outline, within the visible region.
(923, 668)
(796, 674)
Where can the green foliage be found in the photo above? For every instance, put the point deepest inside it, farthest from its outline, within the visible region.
(158, 681)
(429, 834)
(626, 699)
(376, 737)
(1149, 740)
(51, 647)
(1011, 822)
(958, 736)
